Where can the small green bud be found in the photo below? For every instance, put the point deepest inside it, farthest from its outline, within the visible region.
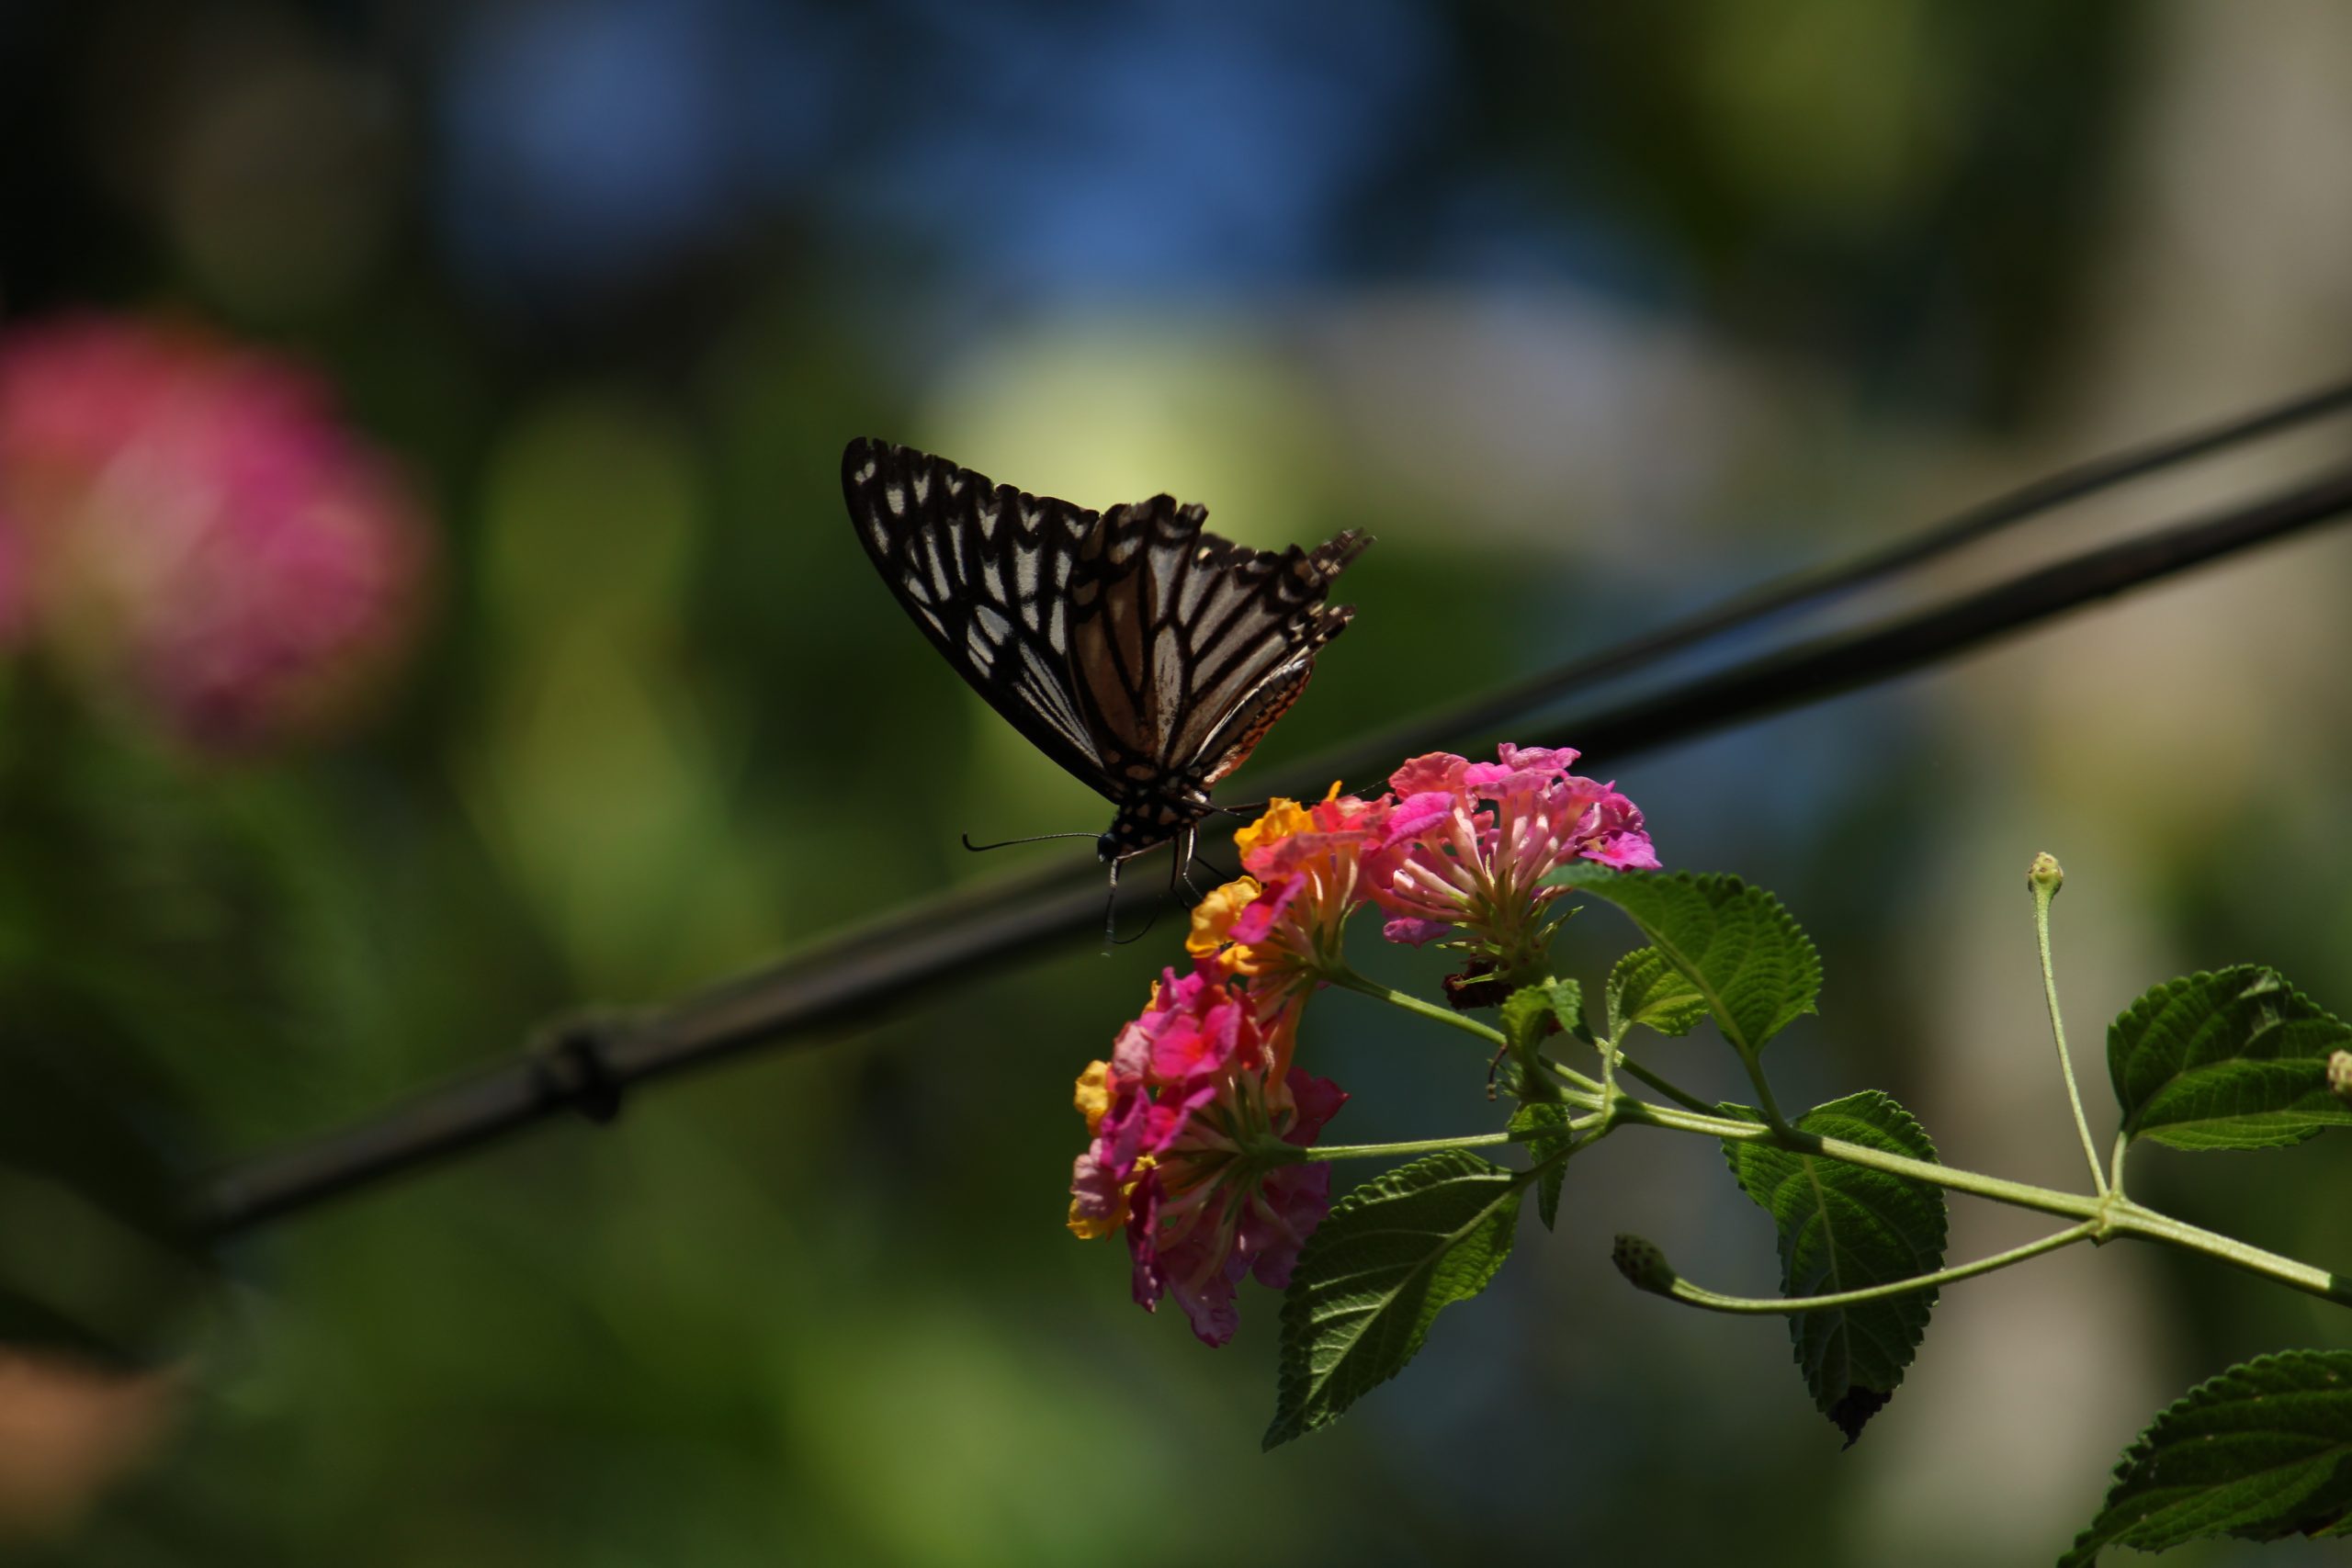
(1643, 1265)
(2045, 872)
(2339, 1076)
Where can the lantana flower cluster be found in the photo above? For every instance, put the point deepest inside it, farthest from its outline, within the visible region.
(1197, 1119)
(186, 528)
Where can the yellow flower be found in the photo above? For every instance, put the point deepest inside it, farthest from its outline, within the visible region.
(1213, 921)
(1282, 818)
(1094, 1095)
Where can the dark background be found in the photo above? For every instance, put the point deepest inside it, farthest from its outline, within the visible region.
(1590, 312)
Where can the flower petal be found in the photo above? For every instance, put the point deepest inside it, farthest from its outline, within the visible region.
(1414, 932)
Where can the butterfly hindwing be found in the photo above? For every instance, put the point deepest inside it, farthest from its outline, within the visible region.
(1183, 641)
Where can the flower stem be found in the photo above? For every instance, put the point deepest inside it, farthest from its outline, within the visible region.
(2019, 1194)
(1687, 1100)
(1418, 1146)
(2112, 1214)
(1351, 980)
(2044, 880)
(1683, 1291)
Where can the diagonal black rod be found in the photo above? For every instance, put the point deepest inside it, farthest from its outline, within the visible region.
(1769, 601)
(850, 981)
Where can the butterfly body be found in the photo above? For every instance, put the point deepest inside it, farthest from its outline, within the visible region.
(1143, 653)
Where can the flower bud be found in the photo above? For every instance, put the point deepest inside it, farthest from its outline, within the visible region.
(2339, 1076)
(2045, 873)
(1643, 1265)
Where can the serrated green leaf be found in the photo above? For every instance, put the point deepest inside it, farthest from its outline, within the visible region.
(1530, 1013)
(1845, 1227)
(2232, 1060)
(1385, 1260)
(2263, 1451)
(1645, 988)
(1537, 1116)
(1526, 1016)
(1739, 949)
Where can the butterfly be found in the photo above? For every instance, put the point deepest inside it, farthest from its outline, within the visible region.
(1143, 653)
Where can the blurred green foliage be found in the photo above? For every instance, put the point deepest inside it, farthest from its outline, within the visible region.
(819, 1306)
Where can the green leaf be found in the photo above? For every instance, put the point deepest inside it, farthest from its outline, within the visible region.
(1532, 1012)
(1386, 1258)
(1844, 1227)
(1537, 1116)
(1526, 1017)
(2234, 1060)
(2261, 1452)
(1645, 988)
(1739, 949)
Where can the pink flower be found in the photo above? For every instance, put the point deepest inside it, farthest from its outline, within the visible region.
(193, 535)
(1205, 1216)
(1468, 844)
(1281, 925)
(1196, 1090)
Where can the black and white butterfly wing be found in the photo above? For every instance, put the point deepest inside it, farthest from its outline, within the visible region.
(1185, 647)
(1143, 653)
(985, 570)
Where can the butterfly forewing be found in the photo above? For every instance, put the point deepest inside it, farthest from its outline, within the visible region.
(1143, 653)
(984, 570)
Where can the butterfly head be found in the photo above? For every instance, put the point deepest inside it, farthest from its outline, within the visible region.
(1150, 819)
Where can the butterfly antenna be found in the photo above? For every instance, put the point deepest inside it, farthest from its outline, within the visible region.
(1032, 838)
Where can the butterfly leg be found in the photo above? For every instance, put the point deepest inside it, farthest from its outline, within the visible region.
(1111, 913)
(1186, 843)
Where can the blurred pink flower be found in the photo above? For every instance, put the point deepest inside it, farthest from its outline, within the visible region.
(188, 530)
(1468, 844)
(1192, 1086)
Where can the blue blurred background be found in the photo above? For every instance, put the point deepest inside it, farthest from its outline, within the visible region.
(1590, 313)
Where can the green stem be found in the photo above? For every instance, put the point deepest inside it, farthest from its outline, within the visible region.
(2112, 1215)
(1276, 1152)
(1764, 1100)
(2126, 1218)
(1687, 1101)
(1416, 1146)
(1350, 980)
(1611, 1056)
(1683, 1291)
(2021, 1194)
(2045, 888)
(2115, 1179)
